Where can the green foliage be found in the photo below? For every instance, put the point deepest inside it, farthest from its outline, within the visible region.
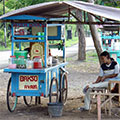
(1, 9)
(1, 26)
(1, 35)
(6, 9)
(111, 3)
(11, 4)
(16, 4)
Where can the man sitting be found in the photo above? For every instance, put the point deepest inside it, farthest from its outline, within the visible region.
(109, 70)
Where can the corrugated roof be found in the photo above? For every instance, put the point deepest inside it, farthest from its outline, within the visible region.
(59, 9)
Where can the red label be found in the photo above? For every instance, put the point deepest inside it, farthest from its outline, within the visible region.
(28, 78)
(28, 82)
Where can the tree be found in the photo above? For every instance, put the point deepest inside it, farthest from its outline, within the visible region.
(94, 34)
(3, 25)
(16, 4)
(81, 37)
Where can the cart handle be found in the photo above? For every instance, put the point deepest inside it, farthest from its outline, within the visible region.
(64, 70)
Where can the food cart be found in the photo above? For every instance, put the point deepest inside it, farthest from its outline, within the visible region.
(110, 35)
(47, 81)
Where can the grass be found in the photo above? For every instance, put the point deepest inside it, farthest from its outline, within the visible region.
(68, 43)
(69, 59)
(2, 48)
(91, 56)
(71, 42)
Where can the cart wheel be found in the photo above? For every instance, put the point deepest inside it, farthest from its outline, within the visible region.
(53, 93)
(63, 88)
(11, 99)
(28, 100)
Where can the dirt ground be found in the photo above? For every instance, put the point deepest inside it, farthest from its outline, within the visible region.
(80, 74)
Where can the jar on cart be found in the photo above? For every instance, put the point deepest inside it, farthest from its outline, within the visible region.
(21, 62)
(12, 62)
(29, 64)
(37, 62)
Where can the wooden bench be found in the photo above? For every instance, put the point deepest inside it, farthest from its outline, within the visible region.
(93, 96)
(108, 99)
(114, 82)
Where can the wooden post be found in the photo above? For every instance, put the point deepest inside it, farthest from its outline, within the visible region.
(99, 106)
(110, 106)
(119, 92)
(109, 87)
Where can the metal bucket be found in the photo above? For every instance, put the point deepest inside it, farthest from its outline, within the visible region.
(55, 109)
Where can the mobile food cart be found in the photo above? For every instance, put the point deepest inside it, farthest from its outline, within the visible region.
(110, 36)
(50, 80)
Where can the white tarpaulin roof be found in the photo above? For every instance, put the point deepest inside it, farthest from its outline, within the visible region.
(59, 9)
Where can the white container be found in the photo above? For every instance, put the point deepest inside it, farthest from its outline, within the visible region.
(29, 64)
(116, 46)
(49, 61)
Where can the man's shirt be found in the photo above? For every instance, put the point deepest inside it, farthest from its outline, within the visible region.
(112, 68)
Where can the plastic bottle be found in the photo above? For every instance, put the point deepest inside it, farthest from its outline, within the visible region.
(50, 58)
(12, 62)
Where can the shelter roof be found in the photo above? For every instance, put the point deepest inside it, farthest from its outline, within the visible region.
(61, 9)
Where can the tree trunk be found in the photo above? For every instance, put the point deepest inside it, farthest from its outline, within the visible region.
(94, 34)
(81, 37)
(4, 23)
